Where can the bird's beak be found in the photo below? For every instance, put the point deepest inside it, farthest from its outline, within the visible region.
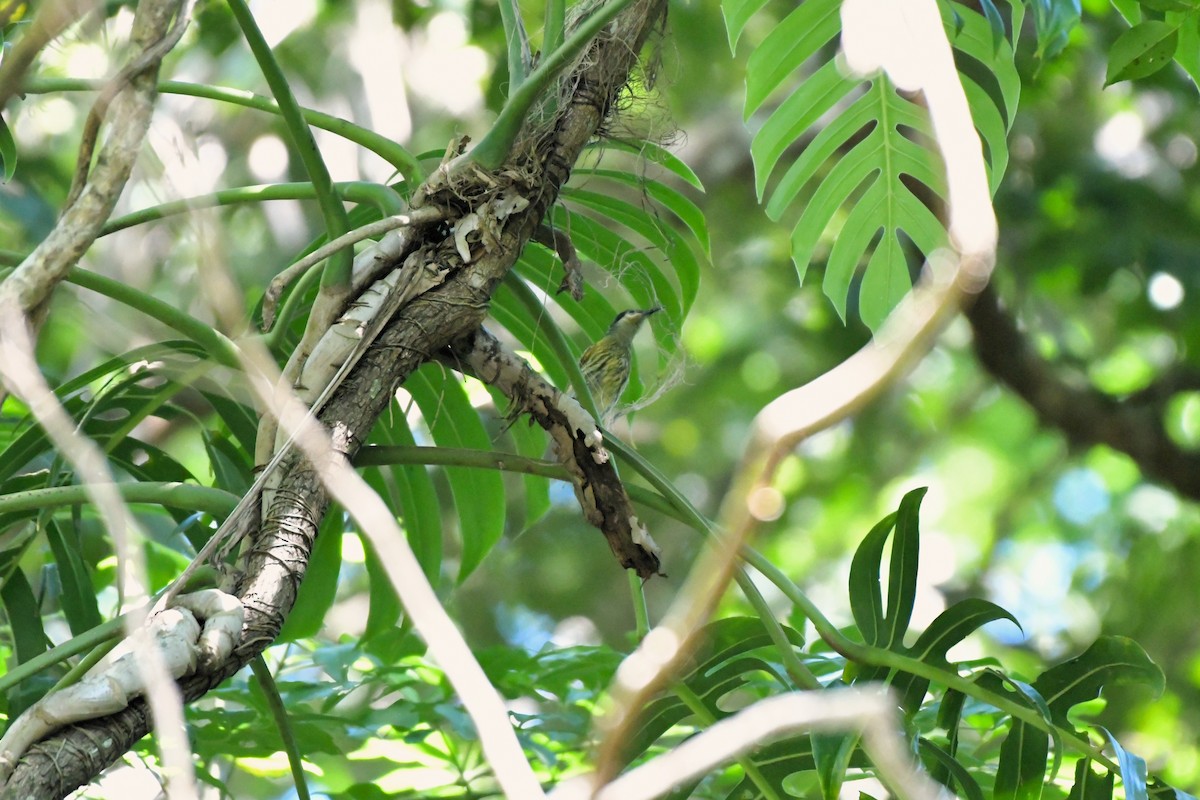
(650, 311)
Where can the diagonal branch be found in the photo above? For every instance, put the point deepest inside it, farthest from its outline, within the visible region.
(1086, 416)
(279, 555)
(599, 490)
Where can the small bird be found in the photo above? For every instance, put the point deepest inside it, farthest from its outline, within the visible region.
(606, 364)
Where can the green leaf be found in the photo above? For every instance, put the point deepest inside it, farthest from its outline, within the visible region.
(541, 269)
(737, 14)
(413, 496)
(653, 153)
(28, 637)
(1161, 791)
(867, 181)
(995, 22)
(1133, 769)
(8, 152)
(902, 576)
(1054, 20)
(977, 39)
(1142, 50)
(1110, 661)
(1187, 55)
(107, 413)
(1090, 785)
(385, 607)
(948, 629)
(640, 221)
(940, 761)
(531, 441)
(949, 714)
(241, 420)
(866, 593)
(858, 181)
(229, 465)
(1022, 765)
(478, 494)
(880, 628)
(831, 753)
(1170, 5)
(78, 597)
(637, 273)
(955, 624)
(791, 41)
(669, 198)
(725, 662)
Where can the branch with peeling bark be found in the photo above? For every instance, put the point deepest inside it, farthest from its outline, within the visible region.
(475, 262)
(1133, 425)
(577, 441)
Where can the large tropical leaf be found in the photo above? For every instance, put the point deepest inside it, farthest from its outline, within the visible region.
(862, 187)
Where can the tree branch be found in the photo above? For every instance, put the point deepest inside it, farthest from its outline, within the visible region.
(598, 488)
(1086, 416)
(276, 562)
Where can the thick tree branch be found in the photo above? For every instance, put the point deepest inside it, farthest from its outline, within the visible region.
(279, 556)
(1133, 425)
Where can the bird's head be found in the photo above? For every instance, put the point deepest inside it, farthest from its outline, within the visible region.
(627, 323)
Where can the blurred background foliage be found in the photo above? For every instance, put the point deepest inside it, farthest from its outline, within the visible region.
(1099, 257)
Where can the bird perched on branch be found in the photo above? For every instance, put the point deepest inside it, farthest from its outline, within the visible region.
(606, 364)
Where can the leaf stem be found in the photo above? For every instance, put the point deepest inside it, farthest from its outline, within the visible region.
(404, 161)
(173, 494)
(266, 682)
(337, 271)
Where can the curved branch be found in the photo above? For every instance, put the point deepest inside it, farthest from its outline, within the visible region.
(1086, 416)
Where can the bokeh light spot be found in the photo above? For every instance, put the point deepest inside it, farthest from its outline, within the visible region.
(268, 158)
(1080, 496)
(1183, 420)
(1165, 291)
(760, 371)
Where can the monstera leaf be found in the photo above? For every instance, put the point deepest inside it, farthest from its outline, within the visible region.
(868, 178)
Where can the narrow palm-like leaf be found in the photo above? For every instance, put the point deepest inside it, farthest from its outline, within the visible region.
(1133, 769)
(673, 200)
(1022, 765)
(78, 597)
(902, 575)
(478, 494)
(652, 153)
(865, 180)
(866, 593)
(941, 761)
(1089, 785)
